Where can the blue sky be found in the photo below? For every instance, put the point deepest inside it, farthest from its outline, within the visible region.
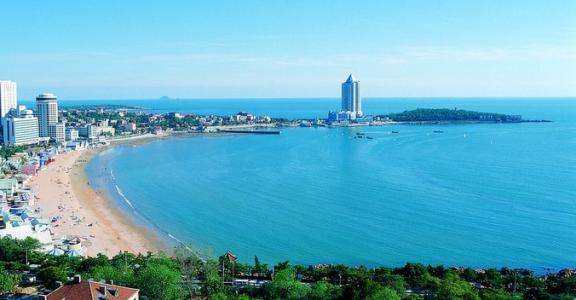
(202, 49)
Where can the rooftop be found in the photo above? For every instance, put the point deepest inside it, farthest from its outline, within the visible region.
(78, 289)
(46, 96)
(351, 78)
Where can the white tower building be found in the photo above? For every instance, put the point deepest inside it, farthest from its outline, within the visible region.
(47, 111)
(351, 99)
(7, 97)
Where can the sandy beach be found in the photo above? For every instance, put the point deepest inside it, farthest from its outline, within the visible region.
(62, 191)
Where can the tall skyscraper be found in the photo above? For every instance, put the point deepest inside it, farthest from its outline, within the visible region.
(7, 97)
(351, 99)
(47, 111)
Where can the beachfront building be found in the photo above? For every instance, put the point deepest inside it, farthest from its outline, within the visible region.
(103, 128)
(242, 117)
(8, 186)
(91, 132)
(57, 132)
(20, 127)
(12, 225)
(47, 110)
(351, 108)
(7, 97)
(72, 134)
(130, 126)
(87, 132)
(351, 99)
(91, 290)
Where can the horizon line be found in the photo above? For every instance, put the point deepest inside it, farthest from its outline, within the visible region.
(317, 98)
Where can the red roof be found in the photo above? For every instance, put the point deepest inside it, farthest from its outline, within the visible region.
(91, 290)
(231, 257)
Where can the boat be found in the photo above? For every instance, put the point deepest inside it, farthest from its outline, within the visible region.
(438, 131)
(395, 132)
(369, 137)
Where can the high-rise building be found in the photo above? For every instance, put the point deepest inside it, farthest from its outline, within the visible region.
(47, 111)
(20, 127)
(7, 97)
(351, 99)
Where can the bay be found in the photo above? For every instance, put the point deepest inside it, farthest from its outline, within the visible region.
(477, 195)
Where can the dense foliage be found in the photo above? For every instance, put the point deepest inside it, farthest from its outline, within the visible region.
(6, 152)
(184, 274)
(449, 115)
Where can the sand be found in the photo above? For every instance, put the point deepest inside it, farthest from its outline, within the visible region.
(62, 191)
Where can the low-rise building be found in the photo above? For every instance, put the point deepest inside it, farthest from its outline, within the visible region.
(72, 134)
(90, 290)
(57, 132)
(130, 126)
(15, 227)
(93, 131)
(87, 132)
(8, 186)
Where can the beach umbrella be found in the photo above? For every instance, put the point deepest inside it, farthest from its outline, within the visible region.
(73, 253)
(55, 251)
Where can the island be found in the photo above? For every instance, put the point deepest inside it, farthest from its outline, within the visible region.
(444, 115)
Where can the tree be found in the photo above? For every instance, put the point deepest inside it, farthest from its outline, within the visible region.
(395, 282)
(285, 286)
(384, 294)
(259, 268)
(498, 294)
(281, 266)
(212, 282)
(89, 263)
(361, 287)
(452, 287)
(118, 275)
(493, 279)
(323, 291)
(158, 281)
(14, 250)
(52, 275)
(536, 294)
(8, 282)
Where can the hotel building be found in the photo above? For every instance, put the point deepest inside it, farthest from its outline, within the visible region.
(351, 99)
(47, 110)
(20, 127)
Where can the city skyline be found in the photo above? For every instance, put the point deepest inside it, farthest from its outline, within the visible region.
(284, 49)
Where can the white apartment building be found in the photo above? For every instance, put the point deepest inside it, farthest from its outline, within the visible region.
(20, 127)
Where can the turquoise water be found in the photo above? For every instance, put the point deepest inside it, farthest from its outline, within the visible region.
(476, 195)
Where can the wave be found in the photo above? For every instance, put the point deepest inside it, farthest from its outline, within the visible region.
(149, 220)
(119, 191)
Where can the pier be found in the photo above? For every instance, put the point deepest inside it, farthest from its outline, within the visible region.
(249, 131)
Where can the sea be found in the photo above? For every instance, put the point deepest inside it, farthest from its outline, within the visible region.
(475, 195)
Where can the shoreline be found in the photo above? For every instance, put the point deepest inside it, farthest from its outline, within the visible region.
(63, 192)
